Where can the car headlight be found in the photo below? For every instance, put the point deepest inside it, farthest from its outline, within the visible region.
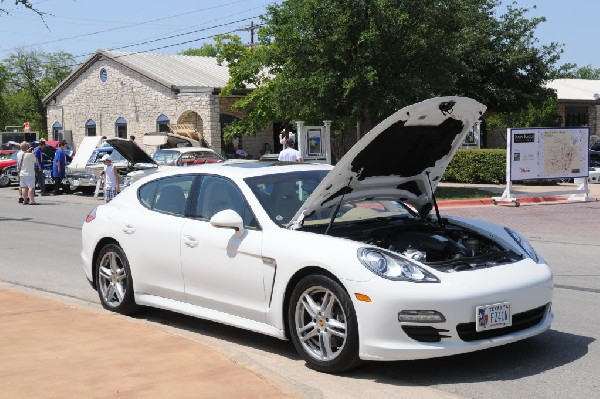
(525, 245)
(394, 267)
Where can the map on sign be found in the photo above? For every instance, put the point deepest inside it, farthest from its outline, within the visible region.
(547, 153)
(561, 153)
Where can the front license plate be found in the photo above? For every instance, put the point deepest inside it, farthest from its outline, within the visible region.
(490, 317)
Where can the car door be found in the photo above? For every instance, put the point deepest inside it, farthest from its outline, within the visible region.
(222, 271)
(153, 234)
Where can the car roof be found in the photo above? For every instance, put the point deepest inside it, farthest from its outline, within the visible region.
(186, 149)
(241, 169)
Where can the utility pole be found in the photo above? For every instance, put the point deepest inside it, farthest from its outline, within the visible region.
(252, 28)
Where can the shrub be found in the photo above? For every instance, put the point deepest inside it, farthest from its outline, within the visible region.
(477, 166)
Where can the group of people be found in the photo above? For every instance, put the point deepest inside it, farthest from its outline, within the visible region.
(30, 165)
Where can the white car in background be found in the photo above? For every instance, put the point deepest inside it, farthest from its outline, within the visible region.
(347, 261)
(180, 156)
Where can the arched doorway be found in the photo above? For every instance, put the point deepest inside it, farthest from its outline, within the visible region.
(193, 118)
(226, 120)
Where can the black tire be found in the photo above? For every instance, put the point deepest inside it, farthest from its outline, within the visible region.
(87, 190)
(4, 181)
(113, 280)
(326, 335)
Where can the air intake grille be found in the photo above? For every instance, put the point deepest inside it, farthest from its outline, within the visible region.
(425, 333)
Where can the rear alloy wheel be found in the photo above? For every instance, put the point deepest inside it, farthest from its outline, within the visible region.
(323, 325)
(113, 280)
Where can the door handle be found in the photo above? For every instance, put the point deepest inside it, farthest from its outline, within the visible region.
(128, 228)
(190, 241)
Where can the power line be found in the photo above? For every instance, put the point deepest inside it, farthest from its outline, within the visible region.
(127, 26)
(177, 35)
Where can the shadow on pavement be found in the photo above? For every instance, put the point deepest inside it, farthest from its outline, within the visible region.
(530, 357)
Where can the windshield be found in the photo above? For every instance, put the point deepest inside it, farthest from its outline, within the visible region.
(282, 194)
(358, 211)
(165, 157)
(97, 155)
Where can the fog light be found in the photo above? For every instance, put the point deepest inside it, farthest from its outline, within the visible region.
(421, 316)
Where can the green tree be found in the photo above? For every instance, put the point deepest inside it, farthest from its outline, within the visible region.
(31, 75)
(361, 61)
(539, 115)
(206, 50)
(572, 71)
(3, 108)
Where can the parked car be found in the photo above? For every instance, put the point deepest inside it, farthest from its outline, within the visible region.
(595, 154)
(141, 166)
(8, 161)
(347, 261)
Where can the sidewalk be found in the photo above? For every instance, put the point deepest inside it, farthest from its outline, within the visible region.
(53, 349)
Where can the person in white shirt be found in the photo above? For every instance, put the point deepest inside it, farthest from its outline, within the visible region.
(284, 136)
(111, 179)
(26, 165)
(290, 154)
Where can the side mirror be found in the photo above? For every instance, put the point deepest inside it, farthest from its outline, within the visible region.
(228, 219)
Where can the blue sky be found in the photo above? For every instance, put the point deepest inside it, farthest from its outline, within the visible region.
(80, 27)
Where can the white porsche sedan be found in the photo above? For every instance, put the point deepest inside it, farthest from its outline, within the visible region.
(348, 262)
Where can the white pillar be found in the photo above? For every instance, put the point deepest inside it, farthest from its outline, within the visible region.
(301, 135)
(327, 141)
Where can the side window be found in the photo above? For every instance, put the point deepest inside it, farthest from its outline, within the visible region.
(147, 193)
(217, 194)
(172, 193)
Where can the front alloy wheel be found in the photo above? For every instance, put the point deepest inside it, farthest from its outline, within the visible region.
(114, 283)
(323, 325)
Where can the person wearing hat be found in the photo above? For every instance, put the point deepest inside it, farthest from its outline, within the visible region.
(111, 179)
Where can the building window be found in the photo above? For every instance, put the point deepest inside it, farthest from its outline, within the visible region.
(90, 128)
(162, 123)
(56, 131)
(121, 128)
(576, 115)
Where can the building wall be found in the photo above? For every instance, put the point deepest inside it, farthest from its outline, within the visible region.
(140, 101)
(252, 144)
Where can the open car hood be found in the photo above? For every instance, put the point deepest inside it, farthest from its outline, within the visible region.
(399, 157)
(130, 151)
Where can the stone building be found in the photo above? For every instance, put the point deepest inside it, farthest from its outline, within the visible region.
(118, 94)
(579, 103)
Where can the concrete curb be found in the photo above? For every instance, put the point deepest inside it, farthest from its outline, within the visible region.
(490, 201)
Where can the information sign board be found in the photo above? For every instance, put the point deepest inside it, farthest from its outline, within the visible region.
(548, 153)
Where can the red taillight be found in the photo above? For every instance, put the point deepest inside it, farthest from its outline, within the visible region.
(91, 216)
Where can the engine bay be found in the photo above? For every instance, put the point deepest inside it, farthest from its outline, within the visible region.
(446, 247)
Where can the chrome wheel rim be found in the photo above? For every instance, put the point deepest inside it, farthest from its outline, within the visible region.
(321, 324)
(112, 279)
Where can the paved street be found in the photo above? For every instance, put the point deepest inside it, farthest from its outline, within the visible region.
(41, 255)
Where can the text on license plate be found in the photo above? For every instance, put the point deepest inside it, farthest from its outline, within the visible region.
(489, 317)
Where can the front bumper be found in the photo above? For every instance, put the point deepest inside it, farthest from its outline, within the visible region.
(83, 180)
(526, 285)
